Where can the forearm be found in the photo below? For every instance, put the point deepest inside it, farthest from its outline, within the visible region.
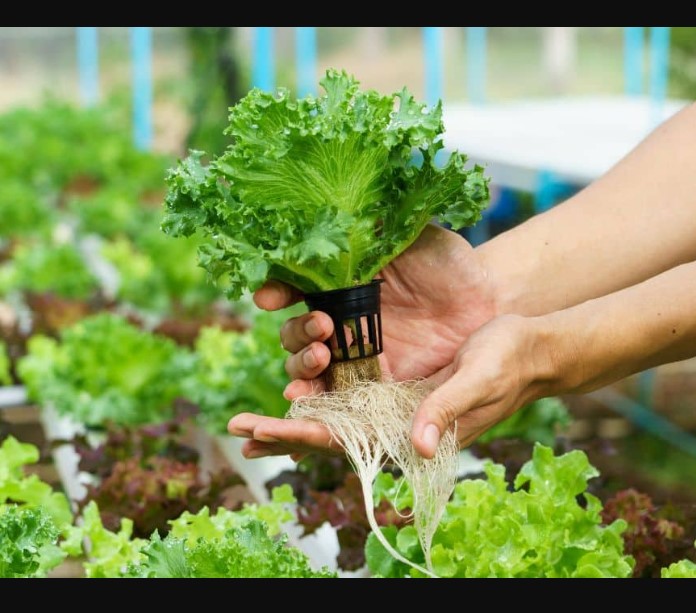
(636, 221)
(603, 340)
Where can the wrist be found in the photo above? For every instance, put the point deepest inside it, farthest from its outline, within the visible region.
(509, 282)
(573, 346)
(549, 354)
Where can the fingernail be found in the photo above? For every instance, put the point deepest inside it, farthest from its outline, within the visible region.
(252, 455)
(309, 359)
(431, 437)
(286, 394)
(265, 438)
(311, 327)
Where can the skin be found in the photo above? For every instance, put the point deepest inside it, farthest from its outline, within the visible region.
(599, 287)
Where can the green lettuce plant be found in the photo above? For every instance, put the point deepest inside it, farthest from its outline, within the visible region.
(32, 515)
(545, 524)
(320, 192)
(243, 543)
(103, 368)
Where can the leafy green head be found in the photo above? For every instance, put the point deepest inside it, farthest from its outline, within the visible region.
(320, 192)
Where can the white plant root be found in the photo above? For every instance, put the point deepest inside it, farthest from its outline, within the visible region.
(372, 422)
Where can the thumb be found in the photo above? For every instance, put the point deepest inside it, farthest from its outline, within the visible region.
(438, 411)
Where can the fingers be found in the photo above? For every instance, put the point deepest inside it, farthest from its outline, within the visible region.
(303, 387)
(298, 332)
(309, 362)
(274, 295)
(439, 410)
(275, 436)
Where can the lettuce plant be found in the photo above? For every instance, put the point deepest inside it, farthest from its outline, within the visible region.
(42, 267)
(545, 525)
(32, 515)
(244, 543)
(321, 192)
(684, 569)
(103, 369)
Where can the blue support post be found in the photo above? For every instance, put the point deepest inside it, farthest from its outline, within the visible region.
(646, 387)
(659, 71)
(633, 61)
(141, 57)
(88, 64)
(306, 49)
(479, 233)
(476, 61)
(434, 64)
(550, 190)
(263, 70)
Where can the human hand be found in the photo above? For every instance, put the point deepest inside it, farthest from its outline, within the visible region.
(434, 296)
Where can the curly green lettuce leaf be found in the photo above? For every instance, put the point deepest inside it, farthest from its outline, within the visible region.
(545, 525)
(103, 368)
(320, 193)
(28, 542)
(203, 525)
(108, 553)
(28, 490)
(684, 569)
(244, 543)
(245, 552)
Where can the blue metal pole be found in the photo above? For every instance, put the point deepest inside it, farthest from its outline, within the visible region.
(88, 64)
(263, 71)
(633, 61)
(141, 52)
(476, 51)
(306, 42)
(659, 71)
(434, 64)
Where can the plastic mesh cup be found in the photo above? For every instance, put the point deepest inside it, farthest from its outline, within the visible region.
(355, 312)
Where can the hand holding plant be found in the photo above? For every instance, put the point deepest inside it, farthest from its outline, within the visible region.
(434, 296)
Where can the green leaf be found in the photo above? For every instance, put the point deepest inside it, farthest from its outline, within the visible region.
(684, 569)
(537, 528)
(109, 553)
(28, 542)
(320, 193)
(29, 491)
(380, 562)
(104, 368)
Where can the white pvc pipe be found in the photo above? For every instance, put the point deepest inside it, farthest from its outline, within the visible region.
(13, 396)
